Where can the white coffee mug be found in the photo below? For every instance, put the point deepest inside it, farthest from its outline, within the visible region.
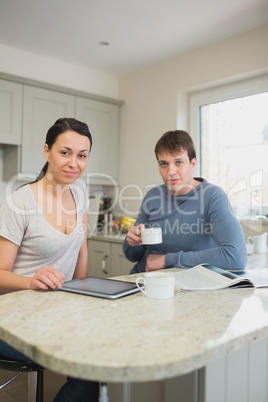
(158, 285)
(151, 236)
(259, 243)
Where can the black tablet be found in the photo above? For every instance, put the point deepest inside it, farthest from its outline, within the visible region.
(100, 287)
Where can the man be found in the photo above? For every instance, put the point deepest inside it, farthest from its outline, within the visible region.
(197, 221)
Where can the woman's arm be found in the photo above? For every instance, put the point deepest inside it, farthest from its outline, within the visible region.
(82, 261)
(9, 282)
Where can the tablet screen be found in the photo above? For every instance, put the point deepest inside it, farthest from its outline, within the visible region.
(101, 287)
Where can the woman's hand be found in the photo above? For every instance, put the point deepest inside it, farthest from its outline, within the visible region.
(134, 235)
(47, 277)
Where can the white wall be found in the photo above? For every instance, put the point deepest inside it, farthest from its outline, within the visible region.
(30, 65)
(156, 98)
(35, 67)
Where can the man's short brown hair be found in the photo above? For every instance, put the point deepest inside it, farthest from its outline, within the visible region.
(175, 142)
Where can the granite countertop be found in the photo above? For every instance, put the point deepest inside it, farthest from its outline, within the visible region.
(113, 237)
(257, 261)
(133, 338)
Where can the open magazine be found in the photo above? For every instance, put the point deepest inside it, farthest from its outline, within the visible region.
(207, 277)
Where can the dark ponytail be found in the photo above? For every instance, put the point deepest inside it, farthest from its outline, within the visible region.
(42, 173)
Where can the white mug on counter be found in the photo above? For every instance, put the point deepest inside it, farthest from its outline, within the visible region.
(157, 285)
(259, 243)
(151, 235)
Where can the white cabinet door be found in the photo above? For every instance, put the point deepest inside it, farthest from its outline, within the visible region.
(42, 108)
(10, 112)
(106, 259)
(240, 376)
(99, 260)
(120, 265)
(103, 122)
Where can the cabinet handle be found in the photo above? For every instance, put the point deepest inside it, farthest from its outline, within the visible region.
(103, 264)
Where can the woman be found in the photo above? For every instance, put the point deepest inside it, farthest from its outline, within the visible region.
(43, 230)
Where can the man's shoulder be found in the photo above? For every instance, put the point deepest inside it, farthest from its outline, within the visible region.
(211, 188)
(156, 194)
(156, 190)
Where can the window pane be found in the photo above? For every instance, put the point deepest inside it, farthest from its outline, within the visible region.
(234, 150)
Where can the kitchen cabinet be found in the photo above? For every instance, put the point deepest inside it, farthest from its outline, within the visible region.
(99, 258)
(10, 112)
(120, 265)
(182, 388)
(28, 109)
(221, 381)
(42, 108)
(103, 122)
(106, 259)
(239, 376)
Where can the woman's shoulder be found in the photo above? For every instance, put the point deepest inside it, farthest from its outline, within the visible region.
(18, 205)
(79, 185)
(79, 190)
(20, 198)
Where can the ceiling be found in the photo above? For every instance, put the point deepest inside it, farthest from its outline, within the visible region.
(140, 33)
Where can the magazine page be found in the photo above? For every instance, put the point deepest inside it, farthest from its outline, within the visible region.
(205, 277)
(259, 277)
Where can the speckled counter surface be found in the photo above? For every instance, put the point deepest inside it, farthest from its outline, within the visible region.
(257, 261)
(112, 238)
(134, 338)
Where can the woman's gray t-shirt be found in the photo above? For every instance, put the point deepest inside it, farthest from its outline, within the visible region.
(39, 243)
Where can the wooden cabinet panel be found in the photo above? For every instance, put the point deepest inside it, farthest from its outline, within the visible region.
(27, 112)
(240, 376)
(120, 265)
(99, 261)
(183, 388)
(42, 108)
(103, 122)
(106, 259)
(10, 112)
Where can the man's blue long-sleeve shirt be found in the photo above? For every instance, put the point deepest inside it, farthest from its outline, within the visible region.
(198, 227)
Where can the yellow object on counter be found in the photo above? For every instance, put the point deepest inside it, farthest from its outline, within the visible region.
(127, 223)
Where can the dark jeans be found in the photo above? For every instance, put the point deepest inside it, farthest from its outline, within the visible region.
(8, 351)
(73, 390)
(78, 391)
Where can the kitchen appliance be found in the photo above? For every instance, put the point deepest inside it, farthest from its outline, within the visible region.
(105, 210)
(93, 213)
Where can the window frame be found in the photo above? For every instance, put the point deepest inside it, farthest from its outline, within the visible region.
(220, 93)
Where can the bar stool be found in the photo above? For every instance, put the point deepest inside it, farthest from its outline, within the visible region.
(103, 397)
(35, 376)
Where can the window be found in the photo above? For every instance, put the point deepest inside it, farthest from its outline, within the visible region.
(230, 126)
